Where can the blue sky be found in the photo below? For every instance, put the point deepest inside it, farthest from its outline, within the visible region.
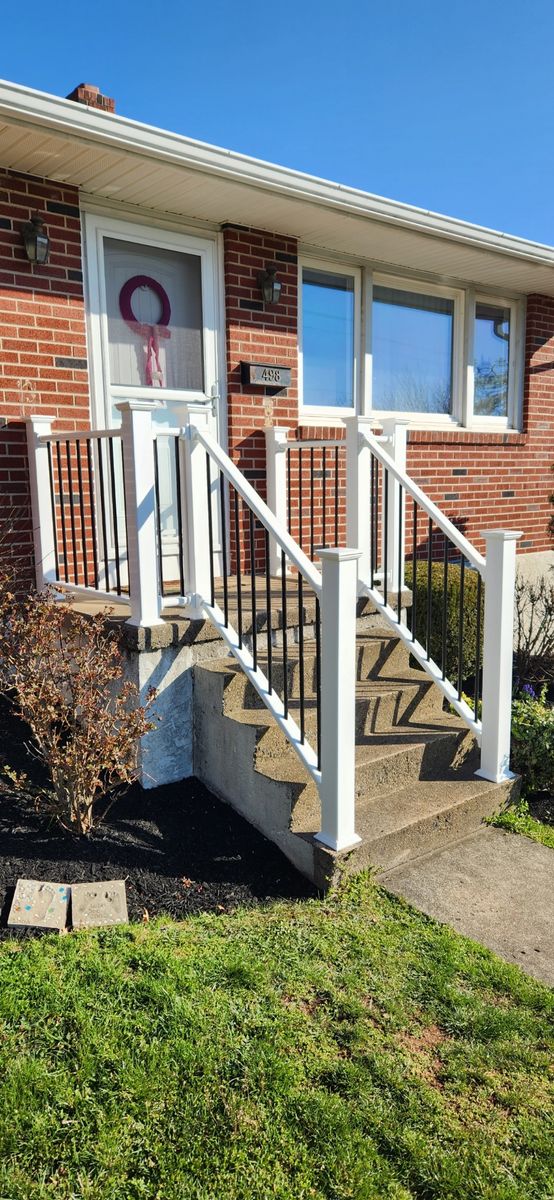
(445, 105)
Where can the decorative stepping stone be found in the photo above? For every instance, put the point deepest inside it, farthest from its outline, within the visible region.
(42, 904)
(98, 904)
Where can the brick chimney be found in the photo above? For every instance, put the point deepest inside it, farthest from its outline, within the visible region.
(89, 94)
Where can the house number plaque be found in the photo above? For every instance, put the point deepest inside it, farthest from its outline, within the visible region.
(265, 375)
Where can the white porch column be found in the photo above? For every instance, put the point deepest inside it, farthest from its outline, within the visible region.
(358, 491)
(276, 441)
(500, 574)
(140, 508)
(397, 432)
(197, 563)
(42, 501)
(338, 698)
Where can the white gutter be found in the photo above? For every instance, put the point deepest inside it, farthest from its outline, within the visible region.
(22, 105)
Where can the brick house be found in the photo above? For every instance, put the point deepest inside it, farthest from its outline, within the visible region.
(160, 250)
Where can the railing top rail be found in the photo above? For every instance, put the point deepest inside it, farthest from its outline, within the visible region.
(454, 535)
(260, 509)
(314, 443)
(78, 435)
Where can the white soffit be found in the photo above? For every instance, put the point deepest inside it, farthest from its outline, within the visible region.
(134, 164)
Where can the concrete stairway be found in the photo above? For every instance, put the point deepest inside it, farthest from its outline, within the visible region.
(416, 787)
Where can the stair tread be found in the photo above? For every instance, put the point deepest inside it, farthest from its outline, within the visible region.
(390, 812)
(380, 685)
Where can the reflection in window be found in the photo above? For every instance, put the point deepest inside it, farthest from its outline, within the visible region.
(327, 338)
(412, 351)
(491, 360)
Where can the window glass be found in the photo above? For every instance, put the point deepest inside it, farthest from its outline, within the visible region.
(491, 360)
(412, 351)
(327, 338)
(154, 303)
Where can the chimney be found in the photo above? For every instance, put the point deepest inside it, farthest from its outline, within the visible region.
(89, 94)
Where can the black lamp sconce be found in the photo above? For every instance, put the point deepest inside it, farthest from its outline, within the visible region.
(270, 286)
(36, 240)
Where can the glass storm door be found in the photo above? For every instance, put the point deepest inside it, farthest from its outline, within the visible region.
(153, 318)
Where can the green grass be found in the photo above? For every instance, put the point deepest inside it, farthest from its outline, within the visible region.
(330, 1049)
(519, 819)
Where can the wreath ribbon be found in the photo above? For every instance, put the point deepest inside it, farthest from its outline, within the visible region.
(150, 334)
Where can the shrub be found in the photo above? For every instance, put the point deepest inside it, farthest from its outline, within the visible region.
(469, 644)
(533, 742)
(63, 673)
(534, 631)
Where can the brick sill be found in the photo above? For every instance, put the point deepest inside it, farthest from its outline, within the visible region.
(467, 437)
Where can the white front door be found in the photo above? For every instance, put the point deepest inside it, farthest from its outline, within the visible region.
(153, 318)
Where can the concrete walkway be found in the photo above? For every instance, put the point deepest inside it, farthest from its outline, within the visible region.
(496, 887)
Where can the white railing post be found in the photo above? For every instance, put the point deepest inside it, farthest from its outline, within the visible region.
(140, 508)
(498, 639)
(397, 433)
(197, 566)
(44, 534)
(358, 491)
(338, 698)
(276, 441)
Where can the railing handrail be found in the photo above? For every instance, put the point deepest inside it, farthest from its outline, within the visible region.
(77, 435)
(314, 443)
(463, 545)
(260, 509)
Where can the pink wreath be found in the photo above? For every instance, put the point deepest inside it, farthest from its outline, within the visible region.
(149, 333)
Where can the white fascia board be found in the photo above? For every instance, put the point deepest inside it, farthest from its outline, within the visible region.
(28, 106)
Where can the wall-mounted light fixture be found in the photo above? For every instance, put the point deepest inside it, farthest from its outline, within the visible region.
(270, 286)
(36, 240)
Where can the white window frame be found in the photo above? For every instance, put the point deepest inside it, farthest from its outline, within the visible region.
(434, 420)
(512, 420)
(463, 379)
(323, 413)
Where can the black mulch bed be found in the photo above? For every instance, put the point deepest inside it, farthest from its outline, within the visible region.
(179, 848)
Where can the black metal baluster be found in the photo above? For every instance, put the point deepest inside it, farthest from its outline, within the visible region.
(300, 514)
(301, 655)
(179, 514)
(103, 511)
(72, 512)
(312, 499)
(336, 495)
(92, 512)
(318, 677)
(62, 511)
(158, 514)
(268, 613)
(444, 605)
(224, 547)
(289, 486)
(115, 520)
(53, 506)
(81, 508)
(373, 520)
(284, 618)
(324, 500)
(477, 689)
(429, 580)
(400, 548)
(253, 591)
(237, 555)
(385, 476)
(461, 629)
(210, 527)
(414, 572)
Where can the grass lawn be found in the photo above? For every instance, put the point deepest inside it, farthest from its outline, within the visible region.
(521, 819)
(344, 1047)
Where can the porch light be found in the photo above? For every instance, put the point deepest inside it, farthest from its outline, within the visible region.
(270, 287)
(36, 240)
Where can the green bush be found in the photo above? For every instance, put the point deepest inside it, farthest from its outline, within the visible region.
(452, 615)
(533, 742)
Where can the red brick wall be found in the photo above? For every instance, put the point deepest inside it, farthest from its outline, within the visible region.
(489, 480)
(42, 328)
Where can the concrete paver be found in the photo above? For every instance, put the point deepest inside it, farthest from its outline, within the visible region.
(495, 887)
